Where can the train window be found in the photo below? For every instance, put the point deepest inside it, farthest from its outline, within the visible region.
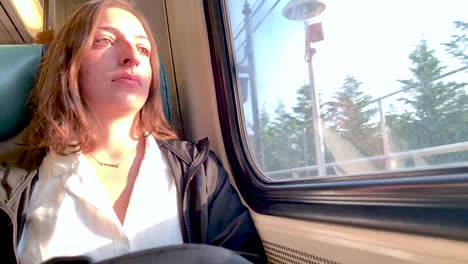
(353, 112)
(351, 87)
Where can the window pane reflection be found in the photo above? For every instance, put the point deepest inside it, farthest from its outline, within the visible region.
(362, 87)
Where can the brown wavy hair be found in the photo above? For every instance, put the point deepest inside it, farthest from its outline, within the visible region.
(61, 118)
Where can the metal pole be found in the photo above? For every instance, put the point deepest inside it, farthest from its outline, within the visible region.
(383, 129)
(49, 15)
(317, 121)
(258, 150)
(304, 143)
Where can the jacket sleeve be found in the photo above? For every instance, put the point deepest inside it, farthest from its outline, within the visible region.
(229, 221)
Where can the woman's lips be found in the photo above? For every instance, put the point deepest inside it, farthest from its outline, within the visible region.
(128, 79)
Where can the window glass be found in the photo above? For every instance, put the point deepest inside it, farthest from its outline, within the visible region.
(352, 87)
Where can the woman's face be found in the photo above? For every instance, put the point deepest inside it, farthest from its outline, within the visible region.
(115, 75)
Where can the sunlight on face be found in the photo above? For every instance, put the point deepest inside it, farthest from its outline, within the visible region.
(115, 75)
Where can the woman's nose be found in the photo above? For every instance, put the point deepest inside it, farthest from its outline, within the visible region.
(129, 55)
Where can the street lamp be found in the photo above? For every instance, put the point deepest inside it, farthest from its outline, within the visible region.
(307, 11)
(303, 10)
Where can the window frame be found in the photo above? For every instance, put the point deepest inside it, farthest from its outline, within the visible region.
(428, 202)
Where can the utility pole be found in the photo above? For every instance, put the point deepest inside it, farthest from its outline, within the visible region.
(249, 49)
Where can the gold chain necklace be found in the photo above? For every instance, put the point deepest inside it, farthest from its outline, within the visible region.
(113, 165)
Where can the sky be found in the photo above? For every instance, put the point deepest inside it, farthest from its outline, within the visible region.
(367, 39)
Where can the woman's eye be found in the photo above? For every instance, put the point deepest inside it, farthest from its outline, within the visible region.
(104, 41)
(144, 51)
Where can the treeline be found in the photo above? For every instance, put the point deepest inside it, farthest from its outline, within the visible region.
(430, 112)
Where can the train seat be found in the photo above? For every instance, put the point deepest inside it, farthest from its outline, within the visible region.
(19, 67)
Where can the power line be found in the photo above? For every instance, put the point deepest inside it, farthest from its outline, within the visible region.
(415, 86)
(267, 14)
(255, 3)
(253, 15)
(259, 23)
(237, 28)
(406, 88)
(241, 24)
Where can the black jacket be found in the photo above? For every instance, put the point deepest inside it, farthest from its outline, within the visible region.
(210, 209)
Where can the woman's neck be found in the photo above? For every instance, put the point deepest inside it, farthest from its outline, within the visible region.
(117, 138)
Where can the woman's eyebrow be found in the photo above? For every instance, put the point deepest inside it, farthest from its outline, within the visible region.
(116, 31)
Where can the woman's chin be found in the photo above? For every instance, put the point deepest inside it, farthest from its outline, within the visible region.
(130, 100)
(118, 108)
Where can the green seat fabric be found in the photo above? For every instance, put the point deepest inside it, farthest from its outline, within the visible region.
(166, 100)
(19, 65)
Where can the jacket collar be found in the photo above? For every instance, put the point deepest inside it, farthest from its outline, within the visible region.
(184, 150)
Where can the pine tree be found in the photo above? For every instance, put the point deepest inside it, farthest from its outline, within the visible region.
(281, 140)
(350, 115)
(268, 136)
(305, 126)
(436, 112)
(458, 46)
(289, 138)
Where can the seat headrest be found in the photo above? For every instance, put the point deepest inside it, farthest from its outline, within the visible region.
(18, 67)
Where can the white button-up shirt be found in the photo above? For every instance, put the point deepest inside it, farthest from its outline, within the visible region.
(70, 213)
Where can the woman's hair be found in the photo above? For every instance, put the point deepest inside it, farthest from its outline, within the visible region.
(61, 118)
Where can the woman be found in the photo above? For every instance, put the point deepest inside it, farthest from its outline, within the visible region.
(115, 178)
